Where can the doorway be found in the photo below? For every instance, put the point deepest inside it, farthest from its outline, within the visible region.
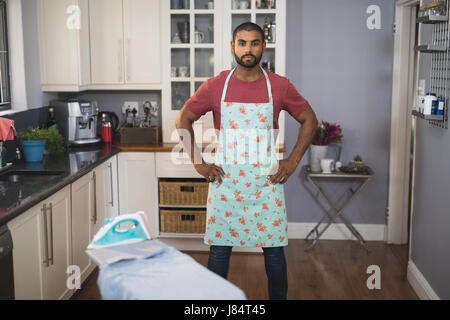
(402, 149)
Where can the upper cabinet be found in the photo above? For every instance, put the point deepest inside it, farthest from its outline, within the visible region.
(100, 44)
(125, 40)
(64, 44)
(196, 43)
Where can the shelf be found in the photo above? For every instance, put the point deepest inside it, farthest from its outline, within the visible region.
(432, 117)
(430, 48)
(432, 19)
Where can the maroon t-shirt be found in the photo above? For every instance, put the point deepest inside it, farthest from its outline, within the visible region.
(285, 96)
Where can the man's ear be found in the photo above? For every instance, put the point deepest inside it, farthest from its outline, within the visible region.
(232, 46)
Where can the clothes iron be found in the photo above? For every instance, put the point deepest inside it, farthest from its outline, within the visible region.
(111, 234)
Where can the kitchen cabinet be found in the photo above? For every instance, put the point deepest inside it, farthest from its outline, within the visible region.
(138, 186)
(125, 44)
(107, 188)
(86, 220)
(196, 37)
(64, 44)
(42, 249)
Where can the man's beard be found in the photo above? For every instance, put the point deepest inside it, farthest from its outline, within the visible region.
(248, 65)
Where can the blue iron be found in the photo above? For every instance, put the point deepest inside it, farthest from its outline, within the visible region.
(111, 235)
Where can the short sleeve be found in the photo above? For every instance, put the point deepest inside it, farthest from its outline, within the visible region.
(293, 102)
(200, 102)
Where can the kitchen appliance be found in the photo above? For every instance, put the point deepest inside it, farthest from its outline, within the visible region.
(77, 121)
(6, 265)
(112, 117)
(111, 234)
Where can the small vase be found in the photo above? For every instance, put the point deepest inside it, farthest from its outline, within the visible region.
(33, 150)
(316, 153)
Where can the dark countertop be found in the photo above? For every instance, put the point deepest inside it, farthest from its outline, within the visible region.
(16, 197)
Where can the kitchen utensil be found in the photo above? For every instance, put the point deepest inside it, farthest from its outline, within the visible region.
(243, 5)
(106, 129)
(113, 118)
(183, 29)
(176, 39)
(110, 234)
(327, 165)
(184, 72)
(199, 37)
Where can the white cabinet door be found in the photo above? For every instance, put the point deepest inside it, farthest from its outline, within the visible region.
(83, 226)
(106, 30)
(28, 253)
(142, 41)
(64, 44)
(42, 249)
(138, 186)
(60, 251)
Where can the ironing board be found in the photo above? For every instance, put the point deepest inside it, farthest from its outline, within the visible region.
(152, 270)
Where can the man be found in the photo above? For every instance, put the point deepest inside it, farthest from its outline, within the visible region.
(246, 204)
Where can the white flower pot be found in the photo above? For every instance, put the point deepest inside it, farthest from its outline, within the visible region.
(316, 153)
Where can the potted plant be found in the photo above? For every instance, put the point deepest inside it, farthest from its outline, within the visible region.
(325, 135)
(35, 140)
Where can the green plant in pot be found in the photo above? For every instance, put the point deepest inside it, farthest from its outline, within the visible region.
(35, 140)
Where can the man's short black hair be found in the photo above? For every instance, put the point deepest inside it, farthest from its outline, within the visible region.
(248, 26)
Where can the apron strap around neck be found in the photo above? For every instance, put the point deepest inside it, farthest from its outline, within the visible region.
(269, 87)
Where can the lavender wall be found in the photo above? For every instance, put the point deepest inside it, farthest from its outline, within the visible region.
(345, 71)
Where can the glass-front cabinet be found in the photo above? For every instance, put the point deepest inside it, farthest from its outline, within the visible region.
(196, 46)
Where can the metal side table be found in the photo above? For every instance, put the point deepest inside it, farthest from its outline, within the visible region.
(357, 180)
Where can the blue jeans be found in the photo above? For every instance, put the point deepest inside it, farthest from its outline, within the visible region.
(274, 261)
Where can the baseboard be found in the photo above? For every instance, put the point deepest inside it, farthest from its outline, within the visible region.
(338, 231)
(419, 283)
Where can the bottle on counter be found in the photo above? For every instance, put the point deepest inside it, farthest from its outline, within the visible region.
(430, 100)
(106, 129)
(51, 118)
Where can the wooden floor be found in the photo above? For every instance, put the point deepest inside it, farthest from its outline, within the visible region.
(334, 269)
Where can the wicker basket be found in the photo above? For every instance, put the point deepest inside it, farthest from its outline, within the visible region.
(182, 221)
(183, 193)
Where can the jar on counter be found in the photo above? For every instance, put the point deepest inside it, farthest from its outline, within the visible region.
(106, 129)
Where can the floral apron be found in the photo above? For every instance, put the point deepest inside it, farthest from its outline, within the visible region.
(246, 210)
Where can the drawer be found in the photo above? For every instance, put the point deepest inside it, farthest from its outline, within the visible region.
(183, 192)
(182, 221)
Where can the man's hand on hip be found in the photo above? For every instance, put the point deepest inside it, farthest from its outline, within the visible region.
(211, 172)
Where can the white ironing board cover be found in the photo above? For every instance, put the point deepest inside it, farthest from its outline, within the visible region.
(152, 270)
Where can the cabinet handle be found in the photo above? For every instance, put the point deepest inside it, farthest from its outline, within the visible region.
(44, 213)
(120, 60)
(51, 233)
(128, 59)
(111, 180)
(95, 197)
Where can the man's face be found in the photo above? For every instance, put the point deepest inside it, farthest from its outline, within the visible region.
(248, 48)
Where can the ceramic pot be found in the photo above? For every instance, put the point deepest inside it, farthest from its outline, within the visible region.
(316, 153)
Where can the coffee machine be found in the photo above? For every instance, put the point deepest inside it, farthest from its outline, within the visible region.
(77, 121)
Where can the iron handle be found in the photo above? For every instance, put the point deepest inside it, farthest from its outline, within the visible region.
(51, 233)
(94, 177)
(44, 213)
(111, 180)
